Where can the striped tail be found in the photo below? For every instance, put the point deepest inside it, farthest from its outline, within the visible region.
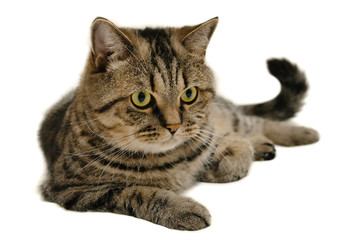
(290, 99)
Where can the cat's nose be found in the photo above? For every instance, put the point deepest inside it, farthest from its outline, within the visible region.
(173, 128)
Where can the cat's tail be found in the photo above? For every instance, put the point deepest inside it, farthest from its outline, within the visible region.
(290, 99)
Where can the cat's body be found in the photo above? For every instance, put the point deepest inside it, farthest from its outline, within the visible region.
(145, 124)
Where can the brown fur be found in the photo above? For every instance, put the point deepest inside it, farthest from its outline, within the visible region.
(106, 154)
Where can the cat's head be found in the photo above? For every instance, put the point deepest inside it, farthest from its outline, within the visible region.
(148, 89)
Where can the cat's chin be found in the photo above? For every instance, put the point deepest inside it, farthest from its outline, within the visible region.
(160, 147)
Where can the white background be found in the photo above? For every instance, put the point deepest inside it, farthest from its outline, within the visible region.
(309, 192)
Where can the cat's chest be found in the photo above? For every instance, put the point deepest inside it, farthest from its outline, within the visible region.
(175, 170)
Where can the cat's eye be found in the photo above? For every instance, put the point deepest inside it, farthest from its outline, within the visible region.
(141, 99)
(189, 95)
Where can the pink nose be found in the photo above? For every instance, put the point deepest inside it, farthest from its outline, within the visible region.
(173, 128)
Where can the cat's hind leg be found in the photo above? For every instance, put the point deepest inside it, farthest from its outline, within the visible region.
(288, 134)
(230, 161)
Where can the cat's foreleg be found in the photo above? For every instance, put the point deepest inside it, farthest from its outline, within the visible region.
(164, 207)
(263, 146)
(156, 205)
(230, 161)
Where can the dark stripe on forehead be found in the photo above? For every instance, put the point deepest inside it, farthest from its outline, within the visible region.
(160, 46)
(174, 74)
(152, 83)
(185, 80)
(160, 42)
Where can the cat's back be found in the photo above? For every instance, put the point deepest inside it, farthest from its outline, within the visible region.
(52, 125)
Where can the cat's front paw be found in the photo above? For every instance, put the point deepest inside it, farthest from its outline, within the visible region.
(265, 152)
(188, 215)
(230, 162)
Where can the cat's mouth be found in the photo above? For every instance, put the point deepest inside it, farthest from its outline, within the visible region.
(161, 141)
(164, 145)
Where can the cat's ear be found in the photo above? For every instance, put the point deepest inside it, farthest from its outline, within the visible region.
(196, 38)
(108, 43)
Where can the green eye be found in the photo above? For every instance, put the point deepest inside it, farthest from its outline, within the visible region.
(189, 95)
(141, 99)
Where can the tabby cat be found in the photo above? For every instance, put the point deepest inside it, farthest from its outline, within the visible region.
(145, 124)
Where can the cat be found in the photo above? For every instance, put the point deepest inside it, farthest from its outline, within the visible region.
(145, 123)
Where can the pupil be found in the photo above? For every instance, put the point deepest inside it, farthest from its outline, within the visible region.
(188, 93)
(141, 97)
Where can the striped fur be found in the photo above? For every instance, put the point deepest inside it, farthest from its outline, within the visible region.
(290, 99)
(105, 154)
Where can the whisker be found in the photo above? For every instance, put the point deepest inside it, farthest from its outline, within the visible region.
(211, 133)
(81, 123)
(125, 144)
